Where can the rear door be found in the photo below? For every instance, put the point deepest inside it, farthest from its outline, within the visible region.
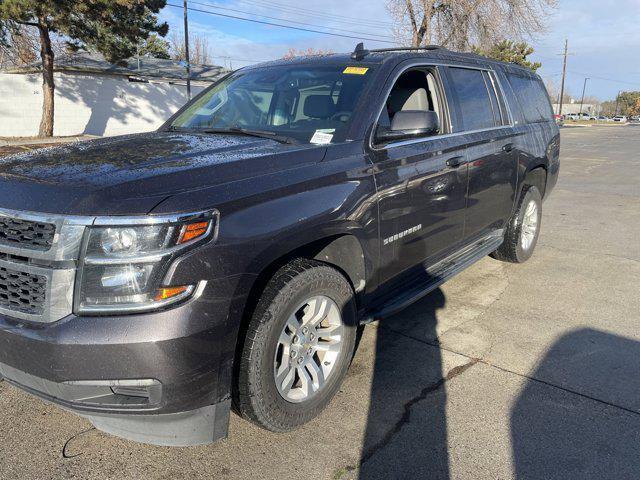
(491, 149)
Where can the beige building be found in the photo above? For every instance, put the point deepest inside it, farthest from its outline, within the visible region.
(574, 107)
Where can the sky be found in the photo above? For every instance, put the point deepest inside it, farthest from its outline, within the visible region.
(603, 35)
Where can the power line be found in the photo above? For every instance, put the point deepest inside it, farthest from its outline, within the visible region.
(208, 12)
(315, 13)
(592, 77)
(209, 5)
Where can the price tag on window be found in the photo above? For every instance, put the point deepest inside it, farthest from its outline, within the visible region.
(355, 70)
(321, 137)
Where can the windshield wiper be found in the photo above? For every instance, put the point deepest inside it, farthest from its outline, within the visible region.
(252, 133)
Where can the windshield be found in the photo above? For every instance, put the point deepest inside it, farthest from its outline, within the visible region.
(306, 103)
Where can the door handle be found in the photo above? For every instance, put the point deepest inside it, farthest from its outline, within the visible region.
(455, 162)
(508, 147)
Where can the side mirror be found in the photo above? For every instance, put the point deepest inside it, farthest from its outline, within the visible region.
(409, 124)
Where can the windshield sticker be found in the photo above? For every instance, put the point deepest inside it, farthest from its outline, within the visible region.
(321, 138)
(355, 70)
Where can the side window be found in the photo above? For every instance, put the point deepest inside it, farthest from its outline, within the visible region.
(476, 105)
(533, 98)
(414, 90)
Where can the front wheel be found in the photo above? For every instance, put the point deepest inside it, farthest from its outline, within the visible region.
(522, 233)
(298, 346)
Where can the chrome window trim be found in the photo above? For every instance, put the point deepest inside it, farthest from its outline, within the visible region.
(448, 135)
(421, 63)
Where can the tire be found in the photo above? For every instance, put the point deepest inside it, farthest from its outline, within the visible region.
(521, 237)
(257, 397)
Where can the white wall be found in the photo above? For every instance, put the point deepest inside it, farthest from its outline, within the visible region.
(87, 104)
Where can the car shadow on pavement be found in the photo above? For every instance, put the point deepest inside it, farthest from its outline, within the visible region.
(580, 416)
(402, 441)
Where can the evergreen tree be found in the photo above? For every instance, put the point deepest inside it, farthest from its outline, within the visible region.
(510, 52)
(113, 28)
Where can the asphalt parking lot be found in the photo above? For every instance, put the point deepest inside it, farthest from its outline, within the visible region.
(508, 371)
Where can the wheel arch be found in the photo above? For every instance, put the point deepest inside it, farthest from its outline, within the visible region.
(343, 252)
(536, 176)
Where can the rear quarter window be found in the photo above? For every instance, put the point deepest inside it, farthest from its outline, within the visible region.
(533, 98)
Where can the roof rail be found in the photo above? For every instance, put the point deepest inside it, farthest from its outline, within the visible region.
(360, 52)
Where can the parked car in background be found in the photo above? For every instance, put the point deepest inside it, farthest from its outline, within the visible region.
(603, 118)
(620, 118)
(635, 119)
(571, 116)
(559, 120)
(149, 282)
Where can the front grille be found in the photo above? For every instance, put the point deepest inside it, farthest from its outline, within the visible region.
(22, 292)
(26, 233)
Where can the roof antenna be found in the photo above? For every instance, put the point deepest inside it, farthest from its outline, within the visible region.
(359, 53)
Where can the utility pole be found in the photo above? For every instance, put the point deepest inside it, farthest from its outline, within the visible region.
(186, 50)
(584, 87)
(564, 74)
(618, 101)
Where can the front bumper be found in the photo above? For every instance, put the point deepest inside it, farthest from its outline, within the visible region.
(160, 378)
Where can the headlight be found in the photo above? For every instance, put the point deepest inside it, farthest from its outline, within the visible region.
(124, 262)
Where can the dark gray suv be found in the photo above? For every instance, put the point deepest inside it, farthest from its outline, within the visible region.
(151, 282)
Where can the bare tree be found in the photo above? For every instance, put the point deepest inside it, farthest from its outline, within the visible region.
(461, 24)
(199, 48)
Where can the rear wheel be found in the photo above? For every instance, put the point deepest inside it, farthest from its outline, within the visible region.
(298, 346)
(522, 233)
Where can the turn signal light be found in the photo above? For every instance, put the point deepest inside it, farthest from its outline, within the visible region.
(192, 231)
(169, 292)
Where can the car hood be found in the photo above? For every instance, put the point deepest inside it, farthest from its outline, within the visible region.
(131, 174)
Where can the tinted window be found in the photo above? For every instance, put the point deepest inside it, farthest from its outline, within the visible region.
(533, 98)
(473, 97)
(413, 90)
(294, 101)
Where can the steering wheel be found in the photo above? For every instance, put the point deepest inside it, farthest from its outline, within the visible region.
(343, 116)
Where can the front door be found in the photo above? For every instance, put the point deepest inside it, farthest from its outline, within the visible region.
(421, 181)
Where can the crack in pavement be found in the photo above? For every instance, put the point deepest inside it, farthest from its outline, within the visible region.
(406, 415)
(519, 374)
